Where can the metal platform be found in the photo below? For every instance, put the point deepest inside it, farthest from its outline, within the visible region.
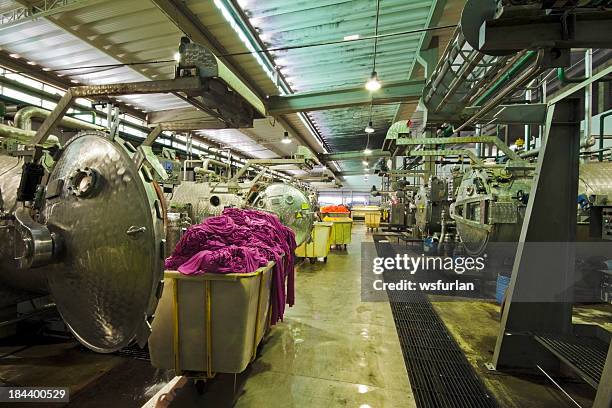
(439, 373)
(586, 356)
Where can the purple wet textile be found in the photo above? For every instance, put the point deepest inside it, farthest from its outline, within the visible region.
(231, 259)
(240, 241)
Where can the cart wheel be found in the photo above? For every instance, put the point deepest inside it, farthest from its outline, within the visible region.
(200, 386)
(313, 260)
(325, 260)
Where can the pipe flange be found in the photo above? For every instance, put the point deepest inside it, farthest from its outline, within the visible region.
(83, 182)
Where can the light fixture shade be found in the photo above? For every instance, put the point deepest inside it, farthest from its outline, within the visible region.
(369, 128)
(364, 162)
(373, 83)
(286, 139)
(367, 151)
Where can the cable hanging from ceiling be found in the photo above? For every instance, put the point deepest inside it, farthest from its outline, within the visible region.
(373, 83)
(369, 130)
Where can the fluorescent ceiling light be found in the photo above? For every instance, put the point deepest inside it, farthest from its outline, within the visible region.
(351, 37)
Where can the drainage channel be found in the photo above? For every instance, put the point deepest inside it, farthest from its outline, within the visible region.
(439, 373)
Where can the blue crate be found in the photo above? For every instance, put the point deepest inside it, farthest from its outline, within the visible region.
(502, 285)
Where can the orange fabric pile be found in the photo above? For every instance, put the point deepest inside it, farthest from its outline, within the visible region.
(334, 209)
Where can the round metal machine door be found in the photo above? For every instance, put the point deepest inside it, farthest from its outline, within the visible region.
(292, 207)
(490, 206)
(109, 216)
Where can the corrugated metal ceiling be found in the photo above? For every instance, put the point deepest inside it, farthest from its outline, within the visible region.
(288, 24)
(80, 38)
(114, 32)
(136, 30)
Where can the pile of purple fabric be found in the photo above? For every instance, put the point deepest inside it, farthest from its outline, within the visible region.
(240, 241)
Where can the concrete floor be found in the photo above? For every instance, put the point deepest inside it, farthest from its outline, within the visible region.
(332, 350)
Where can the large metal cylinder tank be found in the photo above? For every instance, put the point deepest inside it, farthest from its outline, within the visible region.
(596, 180)
(203, 200)
(490, 205)
(15, 285)
(104, 216)
(292, 206)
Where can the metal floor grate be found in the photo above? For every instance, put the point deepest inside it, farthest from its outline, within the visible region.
(135, 352)
(585, 355)
(439, 373)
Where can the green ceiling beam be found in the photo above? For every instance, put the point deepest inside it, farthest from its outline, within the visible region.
(402, 91)
(357, 154)
(437, 10)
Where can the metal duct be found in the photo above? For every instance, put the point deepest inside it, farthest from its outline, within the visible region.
(24, 136)
(24, 116)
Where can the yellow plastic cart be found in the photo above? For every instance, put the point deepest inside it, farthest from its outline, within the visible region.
(210, 323)
(372, 220)
(341, 230)
(319, 244)
(336, 214)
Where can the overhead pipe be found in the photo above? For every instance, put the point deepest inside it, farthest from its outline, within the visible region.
(205, 163)
(534, 70)
(24, 136)
(585, 143)
(23, 119)
(564, 79)
(505, 77)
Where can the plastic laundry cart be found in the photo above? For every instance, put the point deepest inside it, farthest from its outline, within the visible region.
(372, 219)
(341, 230)
(336, 214)
(210, 323)
(319, 244)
